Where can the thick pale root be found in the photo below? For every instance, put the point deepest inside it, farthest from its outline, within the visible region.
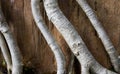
(60, 59)
(84, 70)
(102, 33)
(72, 38)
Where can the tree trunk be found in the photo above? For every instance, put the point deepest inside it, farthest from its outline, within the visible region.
(33, 46)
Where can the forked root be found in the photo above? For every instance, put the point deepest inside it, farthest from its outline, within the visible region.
(73, 39)
(102, 34)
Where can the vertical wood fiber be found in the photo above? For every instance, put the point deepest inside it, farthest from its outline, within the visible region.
(35, 51)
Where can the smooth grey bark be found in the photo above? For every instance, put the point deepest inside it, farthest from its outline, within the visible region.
(102, 33)
(59, 56)
(73, 39)
(84, 70)
(12, 45)
(6, 54)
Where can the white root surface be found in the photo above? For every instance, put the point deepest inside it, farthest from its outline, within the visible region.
(102, 34)
(12, 45)
(6, 54)
(73, 39)
(70, 67)
(60, 59)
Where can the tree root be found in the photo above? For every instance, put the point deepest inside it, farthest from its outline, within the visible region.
(102, 34)
(12, 45)
(73, 39)
(60, 59)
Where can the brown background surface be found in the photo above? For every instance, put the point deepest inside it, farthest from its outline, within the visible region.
(37, 54)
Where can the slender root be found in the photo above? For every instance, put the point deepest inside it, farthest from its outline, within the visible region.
(5, 53)
(12, 45)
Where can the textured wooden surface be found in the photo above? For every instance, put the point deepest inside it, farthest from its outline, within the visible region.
(35, 51)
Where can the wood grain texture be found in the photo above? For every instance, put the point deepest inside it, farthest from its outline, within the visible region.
(35, 51)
